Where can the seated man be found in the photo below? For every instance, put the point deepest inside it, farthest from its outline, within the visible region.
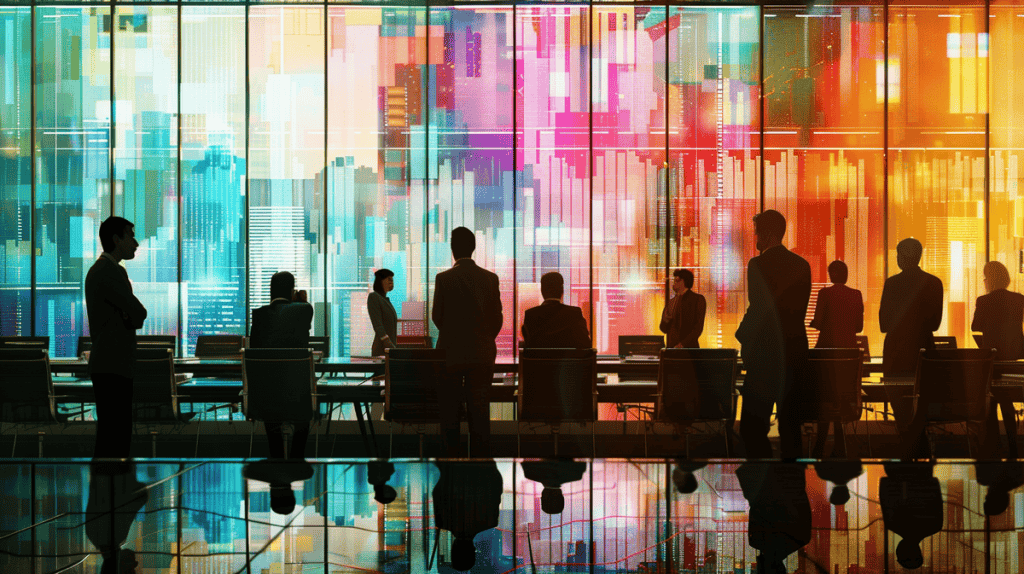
(284, 324)
(553, 324)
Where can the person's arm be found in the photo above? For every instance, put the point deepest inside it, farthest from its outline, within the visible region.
(978, 322)
(666, 317)
(819, 310)
(437, 305)
(860, 311)
(934, 304)
(256, 331)
(118, 292)
(526, 338)
(885, 310)
(497, 315)
(583, 333)
(700, 309)
(376, 311)
(752, 317)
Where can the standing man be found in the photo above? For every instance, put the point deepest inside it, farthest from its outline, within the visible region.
(553, 324)
(773, 338)
(467, 313)
(284, 324)
(683, 317)
(839, 314)
(114, 316)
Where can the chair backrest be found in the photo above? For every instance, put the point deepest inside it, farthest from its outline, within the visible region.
(157, 342)
(154, 395)
(26, 388)
(557, 385)
(415, 341)
(646, 345)
(954, 384)
(945, 342)
(25, 343)
(865, 348)
(278, 384)
(84, 345)
(223, 346)
(833, 389)
(696, 384)
(412, 378)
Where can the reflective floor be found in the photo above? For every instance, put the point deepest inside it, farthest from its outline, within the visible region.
(503, 516)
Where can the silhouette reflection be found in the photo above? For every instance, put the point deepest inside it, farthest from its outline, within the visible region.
(839, 472)
(683, 478)
(279, 474)
(466, 499)
(553, 474)
(780, 512)
(1000, 478)
(911, 501)
(378, 473)
(115, 498)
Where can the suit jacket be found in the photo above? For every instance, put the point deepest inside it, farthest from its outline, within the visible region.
(779, 522)
(772, 331)
(114, 316)
(553, 324)
(467, 497)
(467, 313)
(999, 316)
(683, 320)
(838, 317)
(910, 310)
(281, 325)
(911, 500)
(384, 321)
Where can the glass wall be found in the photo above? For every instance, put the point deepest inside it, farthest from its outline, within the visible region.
(611, 142)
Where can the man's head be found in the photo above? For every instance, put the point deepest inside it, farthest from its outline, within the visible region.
(282, 499)
(840, 495)
(384, 493)
(838, 273)
(463, 554)
(908, 554)
(997, 500)
(463, 243)
(996, 276)
(117, 236)
(685, 482)
(282, 285)
(552, 285)
(552, 501)
(682, 280)
(769, 227)
(908, 253)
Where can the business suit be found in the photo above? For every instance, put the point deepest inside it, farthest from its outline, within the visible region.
(553, 324)
(910, 310)
(683, 320)
(779, 521)
(774, 348)
(384, 321)
(467, 312)
(838, 317)
(999, 316)
(911, 500)
(283, 325)
(114, 316)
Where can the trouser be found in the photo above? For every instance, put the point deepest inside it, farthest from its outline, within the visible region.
(469, 385)
(275, 438)
(755, 422)
(113, 415)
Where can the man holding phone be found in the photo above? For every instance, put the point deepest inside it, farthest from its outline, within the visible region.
(283, 324)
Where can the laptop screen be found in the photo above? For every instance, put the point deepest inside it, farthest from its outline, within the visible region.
(643, 345)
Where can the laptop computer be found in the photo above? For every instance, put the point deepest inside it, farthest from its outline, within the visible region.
(640, 348)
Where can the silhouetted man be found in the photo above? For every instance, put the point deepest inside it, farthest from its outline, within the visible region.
(553, 324)
(114, 316)
(283, 324)
(910, 311)
(683, 318)
(1000, 478)
(839, 472)
(115, 498)
(780, 513)
(553, 474)
(911, 501)
(773, 338)
(839, 313)
(467, 498)
(467, 313)
(279, 475)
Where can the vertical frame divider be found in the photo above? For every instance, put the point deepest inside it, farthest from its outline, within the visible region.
(326, 184)
(112, 140)
(885, 140)
(32, 174)
(182, 313)
(988, 148)
(516, 185)
(248, 173)
(590, 214)
(760, 98)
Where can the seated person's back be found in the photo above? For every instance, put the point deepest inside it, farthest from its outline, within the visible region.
(283, 323)
(553, 324)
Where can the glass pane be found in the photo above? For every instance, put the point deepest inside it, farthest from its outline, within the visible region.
(213, 171)
(146, 154)
(714, 154)
(938, 103)
(72, 126)
(823, 142)
(15, 171)
(286, 152)
(376, 70)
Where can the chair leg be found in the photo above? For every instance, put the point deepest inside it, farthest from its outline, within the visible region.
(41, 435)
(554, 432)
(419, 431)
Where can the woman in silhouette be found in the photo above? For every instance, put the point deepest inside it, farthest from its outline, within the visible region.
(382, 313)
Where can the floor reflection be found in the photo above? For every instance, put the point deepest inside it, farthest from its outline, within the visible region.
(505, 516)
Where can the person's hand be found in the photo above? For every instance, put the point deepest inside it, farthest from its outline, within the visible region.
(300, 296)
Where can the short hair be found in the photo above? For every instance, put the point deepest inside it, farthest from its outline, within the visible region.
(552, 501)
(282, 284)
(552, 285)
(378, 279)
(908, 554)
(998, 276)
(770, 222)
(686, 275)
(463, 242)
(838, 272)
(110, 227)
(910, 250)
